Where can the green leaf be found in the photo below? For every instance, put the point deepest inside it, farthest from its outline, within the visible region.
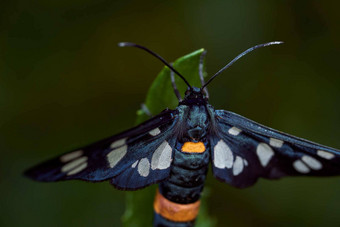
(139, 204)
(161, 94)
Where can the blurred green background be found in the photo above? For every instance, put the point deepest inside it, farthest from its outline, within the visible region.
(64, 83)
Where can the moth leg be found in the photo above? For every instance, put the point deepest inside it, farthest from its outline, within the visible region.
(146, 110)
(172, 75)
(201, 74)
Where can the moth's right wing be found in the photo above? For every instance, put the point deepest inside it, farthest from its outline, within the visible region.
(243, 151)
(133, 159)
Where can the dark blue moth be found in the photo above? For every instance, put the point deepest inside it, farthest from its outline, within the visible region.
(175, 148)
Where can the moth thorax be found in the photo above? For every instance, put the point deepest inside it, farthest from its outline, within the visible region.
(197, 122)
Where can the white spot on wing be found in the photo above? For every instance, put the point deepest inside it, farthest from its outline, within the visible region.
(71, 165)
(71, 156)
(134, 164)
(300, 167)
(275, 142)
(245, 162)
(144, 167)
(265, 153)
(325, 154)
(77, 169)
(116, 155)
(161, 158)
(312, 162)
(155, 132)
(223, 156)
(234, 131)
(118, 143)
(238, 166)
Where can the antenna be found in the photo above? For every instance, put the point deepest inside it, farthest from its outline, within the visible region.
(127, 44)
(238, 57)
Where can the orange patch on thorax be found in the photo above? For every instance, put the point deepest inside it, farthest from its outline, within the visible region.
(192, 147)
(174, 211)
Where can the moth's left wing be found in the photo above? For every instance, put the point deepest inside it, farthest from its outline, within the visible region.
(132, 159)
(243, 150)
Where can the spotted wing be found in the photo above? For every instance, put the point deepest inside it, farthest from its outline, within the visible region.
(243, 151)
(133, 159)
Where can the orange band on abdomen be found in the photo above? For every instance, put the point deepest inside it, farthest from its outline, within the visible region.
(174, 211)
(192, 147)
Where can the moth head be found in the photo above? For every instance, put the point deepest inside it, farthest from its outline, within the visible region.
(194, 96)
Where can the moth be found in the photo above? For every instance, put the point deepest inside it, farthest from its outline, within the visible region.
(176, 147)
